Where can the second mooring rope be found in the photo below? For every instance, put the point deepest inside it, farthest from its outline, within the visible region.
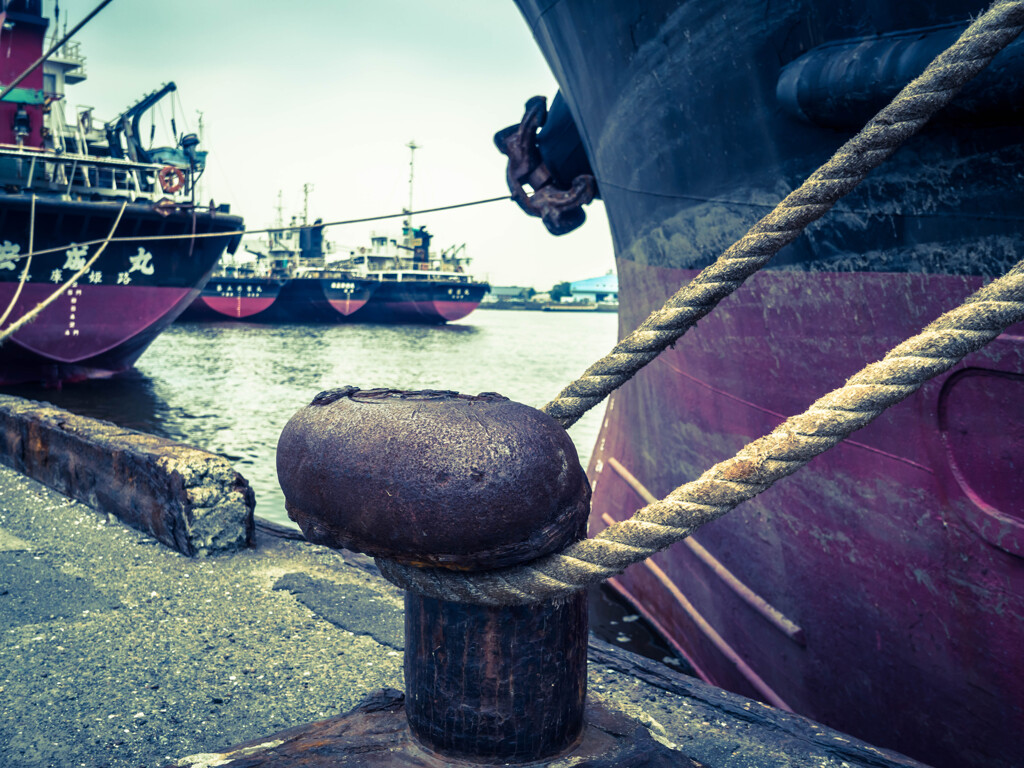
(829, 420)
(939, 347)
(28, 317)
(882, 136)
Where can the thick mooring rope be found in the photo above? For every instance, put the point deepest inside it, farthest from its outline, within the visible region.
(939, 347)
(28, 264)
(896, 123)
(28, 317)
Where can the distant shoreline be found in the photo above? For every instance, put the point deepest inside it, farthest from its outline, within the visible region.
(536, 306)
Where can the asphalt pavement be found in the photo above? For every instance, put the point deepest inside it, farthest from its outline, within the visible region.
(118, 652)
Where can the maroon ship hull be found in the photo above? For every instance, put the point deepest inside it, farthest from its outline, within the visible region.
(135, 289)
(237, 298)
(880, 589)
(858, 552)
(281, 300)
(238, 306)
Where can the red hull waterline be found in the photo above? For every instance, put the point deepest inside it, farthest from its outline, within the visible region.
(430, 310)
(237, 306)
(92, 331)
(347, 307)
(931, 585)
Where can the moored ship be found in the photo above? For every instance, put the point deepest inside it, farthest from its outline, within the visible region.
(289, 281)
(386, 282)
(299, 276)
(62, 188)
(889, 571)
(412, 285)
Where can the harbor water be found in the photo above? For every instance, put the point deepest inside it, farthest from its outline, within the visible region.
(229, 388)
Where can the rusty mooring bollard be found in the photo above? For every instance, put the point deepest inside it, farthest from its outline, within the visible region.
(438, 479)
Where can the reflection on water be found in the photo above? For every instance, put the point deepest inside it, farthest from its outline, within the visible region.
(129, 400)
(229, 388)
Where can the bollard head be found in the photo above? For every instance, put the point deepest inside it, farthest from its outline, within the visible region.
(432, 478)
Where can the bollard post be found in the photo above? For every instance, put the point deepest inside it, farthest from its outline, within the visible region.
(439, 479)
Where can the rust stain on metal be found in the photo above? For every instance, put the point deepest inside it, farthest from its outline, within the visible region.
(432, 477)
(375, 733)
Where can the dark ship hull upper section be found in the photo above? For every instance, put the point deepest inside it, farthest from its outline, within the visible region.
(898, 553)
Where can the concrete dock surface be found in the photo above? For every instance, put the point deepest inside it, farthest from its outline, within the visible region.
(119, 652)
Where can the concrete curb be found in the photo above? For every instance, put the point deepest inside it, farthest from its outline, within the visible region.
(188, 499)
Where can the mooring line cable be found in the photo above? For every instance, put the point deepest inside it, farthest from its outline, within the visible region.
(831, 418)
(233, 233)
(879, 139)
(53, 48)
(756, 467)
(28, 263)
(30, 316)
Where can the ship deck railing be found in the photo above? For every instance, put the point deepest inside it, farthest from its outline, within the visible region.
(381, 267)
(400, 275)
(71, 175)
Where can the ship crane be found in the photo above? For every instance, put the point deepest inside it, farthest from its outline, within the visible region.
(128, 124)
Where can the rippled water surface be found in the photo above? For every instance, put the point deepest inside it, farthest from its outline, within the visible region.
(230, 387)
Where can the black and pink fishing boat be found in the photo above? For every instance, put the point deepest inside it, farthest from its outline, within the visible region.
(63, 182)
(288, 281)
(411, 284)
(298, 276)
(880, 590)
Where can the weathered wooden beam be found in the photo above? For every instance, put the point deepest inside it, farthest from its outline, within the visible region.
(189, 499)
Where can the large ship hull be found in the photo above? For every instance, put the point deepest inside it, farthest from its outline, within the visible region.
(892, 564)
(105, 321)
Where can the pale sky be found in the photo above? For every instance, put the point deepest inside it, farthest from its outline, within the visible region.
(330, 92)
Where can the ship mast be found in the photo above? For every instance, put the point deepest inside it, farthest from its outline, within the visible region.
(198, 191)
(408, 220)
(306, 189)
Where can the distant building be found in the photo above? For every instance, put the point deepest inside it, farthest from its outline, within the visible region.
(508, 293)
(596, 289)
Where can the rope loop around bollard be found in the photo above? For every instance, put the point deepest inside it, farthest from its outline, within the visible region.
(756, 467)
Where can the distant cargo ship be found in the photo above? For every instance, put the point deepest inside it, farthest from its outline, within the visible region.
(289, 281)
(62, 187)
(298, 276)
(413, 285)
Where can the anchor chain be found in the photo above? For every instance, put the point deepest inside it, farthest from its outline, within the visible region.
(560, 209)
